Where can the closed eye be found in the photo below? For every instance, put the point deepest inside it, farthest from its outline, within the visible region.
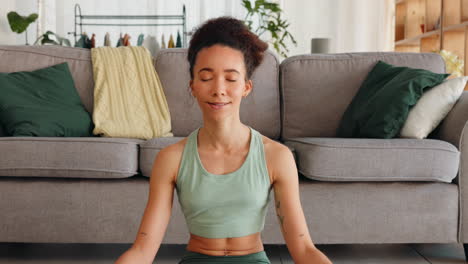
(205, 80)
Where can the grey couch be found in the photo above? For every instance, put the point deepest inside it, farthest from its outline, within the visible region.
(94, 190)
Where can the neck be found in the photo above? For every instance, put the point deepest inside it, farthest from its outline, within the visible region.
(224, 137)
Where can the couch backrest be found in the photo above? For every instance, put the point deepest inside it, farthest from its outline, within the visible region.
(261, 109)
(30, 58)
(316, 89)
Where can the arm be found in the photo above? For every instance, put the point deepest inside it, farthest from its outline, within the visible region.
(289, 210)
(157, 213)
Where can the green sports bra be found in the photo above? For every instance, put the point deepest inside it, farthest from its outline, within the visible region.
(228, 205)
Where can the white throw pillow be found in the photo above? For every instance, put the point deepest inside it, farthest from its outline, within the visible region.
(432, 108)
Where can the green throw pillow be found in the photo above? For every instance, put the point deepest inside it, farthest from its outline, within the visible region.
(43, 103)
(382, 104)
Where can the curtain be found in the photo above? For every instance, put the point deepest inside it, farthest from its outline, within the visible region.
(196, 13)
(351, 26)
(357, 25)
(46, 21)
(363, 25)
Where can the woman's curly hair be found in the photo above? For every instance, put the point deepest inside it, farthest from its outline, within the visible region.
(232, 33)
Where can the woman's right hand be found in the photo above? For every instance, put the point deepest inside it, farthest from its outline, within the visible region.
(133, 256)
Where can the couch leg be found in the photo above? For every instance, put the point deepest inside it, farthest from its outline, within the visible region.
(465, 247)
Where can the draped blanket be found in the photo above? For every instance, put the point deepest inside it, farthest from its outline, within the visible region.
(129, 100)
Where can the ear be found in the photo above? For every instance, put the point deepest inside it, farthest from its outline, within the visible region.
(248, 87)
(191, 86)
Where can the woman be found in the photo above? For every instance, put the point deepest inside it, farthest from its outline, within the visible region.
(224, 171)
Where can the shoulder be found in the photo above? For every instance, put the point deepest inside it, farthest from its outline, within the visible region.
(175, 149)
(171, 156)
(278, 157)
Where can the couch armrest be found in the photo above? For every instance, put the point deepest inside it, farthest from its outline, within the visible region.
(450, 129)
(454, 129)
(463, 185)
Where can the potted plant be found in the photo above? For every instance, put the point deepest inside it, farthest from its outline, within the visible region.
(51, 38)
(269, 20)
(19, 24)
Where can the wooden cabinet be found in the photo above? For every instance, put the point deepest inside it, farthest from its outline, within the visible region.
(432, 25)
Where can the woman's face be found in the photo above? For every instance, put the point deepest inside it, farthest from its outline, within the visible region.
(219, 80)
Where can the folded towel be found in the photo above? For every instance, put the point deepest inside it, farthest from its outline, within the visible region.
(179, 40)
(171, 44)
(107, 41)
(129, 100)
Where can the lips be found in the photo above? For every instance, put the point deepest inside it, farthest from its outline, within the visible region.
(217, 105)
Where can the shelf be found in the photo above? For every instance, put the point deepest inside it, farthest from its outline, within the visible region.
(408, 48)
(414, 18)
(400, 16)
(416, 40)
(432, 25)
(452, 12)
(464, 10)
(454, 41)
(458, 27)
(433, 14)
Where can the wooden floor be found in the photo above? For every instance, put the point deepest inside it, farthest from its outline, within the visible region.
(21, 253)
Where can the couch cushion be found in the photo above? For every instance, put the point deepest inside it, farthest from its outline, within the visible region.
(30, 58)
(43, 103)
(54, 210)
(150, 148)
(432, 108)
(316, 89)
(382, 104)
(70, 157)
(352, 159)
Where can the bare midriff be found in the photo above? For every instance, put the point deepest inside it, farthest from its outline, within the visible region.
(233, 246)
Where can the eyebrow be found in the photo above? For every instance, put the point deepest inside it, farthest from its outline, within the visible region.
(211, 70)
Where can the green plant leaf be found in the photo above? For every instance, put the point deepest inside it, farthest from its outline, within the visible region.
(66, 41)
(275, 8)
(48, 41)
(247, 5)
(272, 7)
(45, 39)
(269, 19)
(258, 4)
(249, 24)
(19, 23)
(283, 45)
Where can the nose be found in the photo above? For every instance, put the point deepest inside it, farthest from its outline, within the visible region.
(219, 87)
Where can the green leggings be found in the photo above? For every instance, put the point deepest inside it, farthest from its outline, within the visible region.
(195, 257)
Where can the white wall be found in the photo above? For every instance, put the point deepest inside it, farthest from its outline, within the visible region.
(23, 8)
(6, 37)
(308, 18)
(196, 11)
(62, 20)
(352, 25)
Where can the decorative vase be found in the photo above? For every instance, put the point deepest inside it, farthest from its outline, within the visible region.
(320, 45)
